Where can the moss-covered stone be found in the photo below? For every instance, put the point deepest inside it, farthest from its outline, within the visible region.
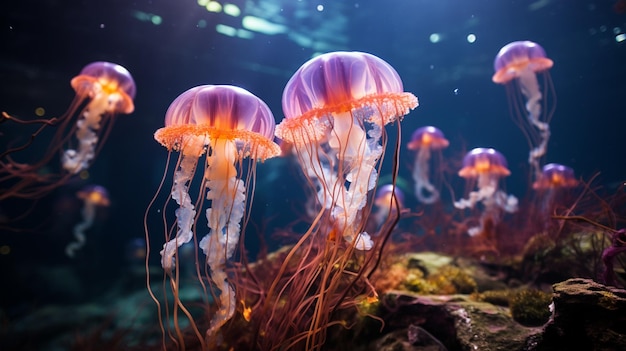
(531, 307)
(495, 297)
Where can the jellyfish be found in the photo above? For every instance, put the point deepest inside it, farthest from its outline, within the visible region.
(484, 168)
(554, 181)
(103, 90)
(336, 106)
(389, 199)
(517, 66)
(93, 196)
(225, 124)
(425, 140)
(135, 256)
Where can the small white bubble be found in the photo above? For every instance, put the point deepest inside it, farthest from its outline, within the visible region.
(456, 91)
(320, 8)
(101, 25)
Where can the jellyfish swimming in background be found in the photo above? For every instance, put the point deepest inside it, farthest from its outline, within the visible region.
(103, 90)
(483, 168)
(517, 66)
(553, 183)
(336, 106)
(555, 176)
(225, 124)
(389, 200)
(93, 196)
(425, 141)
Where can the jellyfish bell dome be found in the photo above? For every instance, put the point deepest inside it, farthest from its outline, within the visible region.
(428, 136)
(110, 78)
(519, 56)
(338, 79)
(555, 175)
(95, 194)
(224, 107)
(481, 161)
(384, 193)
(221, 112)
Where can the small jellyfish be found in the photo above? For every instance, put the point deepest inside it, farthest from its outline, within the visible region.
(425, 141)
(555, 179)
(517, 66)
(103, 90)
(483, 168)
(226, 125)
(93, 196)
(336, 106)
(135, 252)
(111, 90)
(389, 199)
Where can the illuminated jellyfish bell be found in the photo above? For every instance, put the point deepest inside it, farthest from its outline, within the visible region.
(93, 196)
(336, 106)
(555, 178)
(554, 175)
(424, 141)
(517, 65)
(110, 89)
(226, 124)
(484, 168)
(385, 202)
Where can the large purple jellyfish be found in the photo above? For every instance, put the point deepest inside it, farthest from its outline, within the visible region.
(227, 124)
(336, 106)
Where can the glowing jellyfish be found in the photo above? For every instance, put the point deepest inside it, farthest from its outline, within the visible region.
(103, 90)
(385, 201)
(517, 65)
(93, 196)
(336, 106)
(554, 180)
(425, 141)
(484, 168)
(226, 124)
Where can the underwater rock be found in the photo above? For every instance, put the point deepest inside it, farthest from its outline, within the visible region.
(430, 273)
(586, 316)
(412, 338)
(456, 322)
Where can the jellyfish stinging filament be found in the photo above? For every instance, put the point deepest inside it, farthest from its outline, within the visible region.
(517, 66)
(425, 141)
(103, 89)
(225, 124)
(484, 167)
(336, 106)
